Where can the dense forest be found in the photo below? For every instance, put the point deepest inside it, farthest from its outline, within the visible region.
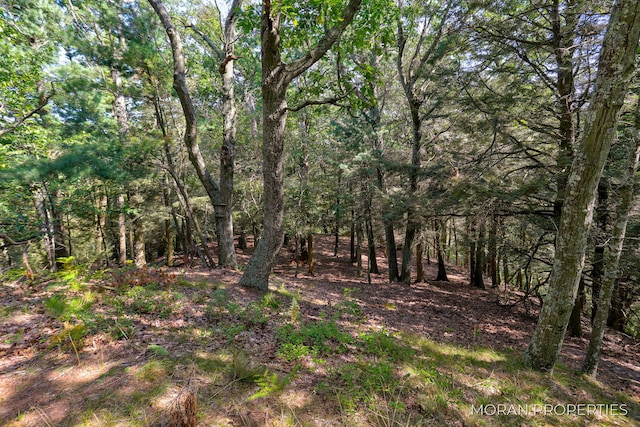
(497, 143)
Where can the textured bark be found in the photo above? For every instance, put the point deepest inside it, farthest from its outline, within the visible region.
(220, 194)
(611, 258)
(597, 266)
(575, 323)
(564, 27)
(615, 68)
(224, 210)
(276, 77)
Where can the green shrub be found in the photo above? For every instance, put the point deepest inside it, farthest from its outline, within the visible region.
(383, 345)
(322, 338)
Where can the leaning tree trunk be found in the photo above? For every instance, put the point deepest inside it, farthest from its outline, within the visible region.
(611, 257)
(276, 77)
(615, 69)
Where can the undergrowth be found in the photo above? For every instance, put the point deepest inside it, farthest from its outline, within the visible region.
(267, 355)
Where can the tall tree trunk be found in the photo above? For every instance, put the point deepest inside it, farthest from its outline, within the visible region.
(170, 167)
(224, 207)
(575, 323)
(47, 226)
(122, 231)
(220, 195)
(600, 238)
(442, 270)
(122, 118)
(359, 239)
(564, 24)
(477, 278)
(612, 254)
(352, 237)
(615, 69)
(139, 246)
(168, 228)
(420, 260)
(492, 247)
(368, 222)
(412, 220)
(310, 255)
(276, 77)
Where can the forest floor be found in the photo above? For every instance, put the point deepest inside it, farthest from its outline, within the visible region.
(133, 348)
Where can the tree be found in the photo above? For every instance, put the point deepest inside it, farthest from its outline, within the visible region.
(220, 193)
(276, 77)
(613, 249)
(615, 69)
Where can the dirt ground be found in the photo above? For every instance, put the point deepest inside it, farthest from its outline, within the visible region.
(46, 383)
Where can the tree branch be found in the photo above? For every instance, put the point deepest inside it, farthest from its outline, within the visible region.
(299, 66)
(333, 101)
(43, 102)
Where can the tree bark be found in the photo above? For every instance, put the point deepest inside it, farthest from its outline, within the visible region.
(224, 209)
(276, 77)
(597, 266)
(220, 195)
(612, 254)
(442, 270)
(575, 323)
(615, 69)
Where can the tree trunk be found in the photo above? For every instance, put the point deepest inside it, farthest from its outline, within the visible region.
(564, 24)
(139, 244)
(359, 239)
(220, 195)
(612, 254)
(615, 69)
(575, 324)
(122, 232)
(371, 243)
(597, 267)
(310, 256)
(183, 197)
(420, 260)
(46, 227)
(352, 238)
(412, 224)
(276, 77)
(442, 270)
(477, 277)
(619, 302)
(224, 207)
(492, 247)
